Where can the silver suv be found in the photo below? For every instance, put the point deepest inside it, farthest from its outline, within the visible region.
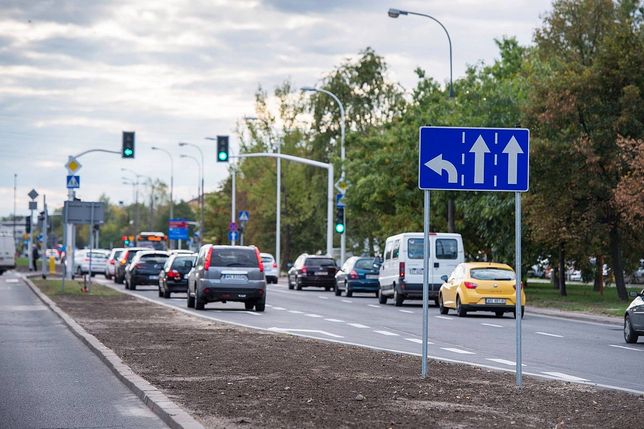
(227, 273)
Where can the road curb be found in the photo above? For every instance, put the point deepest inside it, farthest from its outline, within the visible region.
(171, 414)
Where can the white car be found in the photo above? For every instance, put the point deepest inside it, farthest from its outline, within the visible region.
(271, 271)
(82, 261)
(112, 261)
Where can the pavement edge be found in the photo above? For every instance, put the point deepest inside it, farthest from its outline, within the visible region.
(171, 414)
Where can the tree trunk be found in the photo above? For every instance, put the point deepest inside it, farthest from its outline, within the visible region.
(618, 269)
(598, 285)
(562, 271)
(451, 227)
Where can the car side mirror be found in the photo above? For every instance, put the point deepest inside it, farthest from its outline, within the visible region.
(289, 265)
(444, 278)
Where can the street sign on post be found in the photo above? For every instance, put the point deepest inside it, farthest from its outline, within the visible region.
(72, 165)
(73, 182)
(84, 212)
(177, 229)
(244, 216)
(474, 159)
(339, 200)
(233, 235)
(32, 194)
(232, 227)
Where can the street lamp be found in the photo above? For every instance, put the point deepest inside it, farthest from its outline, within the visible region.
(171, 178)
(395, 13)
(201, 195)
(199, 191)
(343, 237)
(136, 200)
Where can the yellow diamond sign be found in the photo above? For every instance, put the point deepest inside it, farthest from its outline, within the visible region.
(73, 165)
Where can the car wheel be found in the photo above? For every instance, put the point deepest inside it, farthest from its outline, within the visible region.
(298, 285)
(327, 288)
(290, 285)
(459, 308)
(260, 304)
(498, 313)
(630, 336)
(347, 291)
(398, 298)
(166, 293)
(441, 307)
(132, 285)
(338, 292)
(248, 305)
(190, 302)
(382, 299)
(514, 313)
(160, 292)
(200, 303)
(377, 294)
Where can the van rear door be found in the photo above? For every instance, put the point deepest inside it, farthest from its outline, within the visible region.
(448, 253)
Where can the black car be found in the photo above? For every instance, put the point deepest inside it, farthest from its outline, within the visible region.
(312, 270)
(145, 268)
(634, 318)
(124, 260)
(174, 275)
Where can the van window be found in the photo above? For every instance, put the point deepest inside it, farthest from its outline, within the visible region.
(415, 248)
(396, 250)
(446, 248)
(388, 251)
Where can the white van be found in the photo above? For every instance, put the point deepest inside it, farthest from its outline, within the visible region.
(401, 272)
(7, 251)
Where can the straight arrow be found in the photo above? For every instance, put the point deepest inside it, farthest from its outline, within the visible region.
(513, 150)
(479, 149)
(438, 164)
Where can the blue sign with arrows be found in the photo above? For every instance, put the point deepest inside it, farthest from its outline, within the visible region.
(474, 159)
(233, 235)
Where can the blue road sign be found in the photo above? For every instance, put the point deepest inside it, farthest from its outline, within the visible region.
(474, 159)
(232, 226)
(177, 229)
(233, 235)
(73, 182)
(244, 216)
(339, 200)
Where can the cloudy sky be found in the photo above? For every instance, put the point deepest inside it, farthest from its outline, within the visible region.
(75, 73)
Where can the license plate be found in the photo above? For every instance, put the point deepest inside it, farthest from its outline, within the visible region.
(154, 277)
(321, 273)
(372, 276)
(494, 301)
(234, 277)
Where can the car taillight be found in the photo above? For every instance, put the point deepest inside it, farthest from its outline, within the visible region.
(303, 270)
(174, 274)
(111, 261)
(259, 260)
(206, 264)
(353, 274)
(124, 259)
(401, 270)
(514, 285)
(470, 285)
(274, 264)
(86, 259)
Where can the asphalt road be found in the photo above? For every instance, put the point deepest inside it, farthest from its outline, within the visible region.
(553, 347)
(49, 378)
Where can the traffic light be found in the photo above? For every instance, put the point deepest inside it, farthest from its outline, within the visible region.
(125, 240)
(339, 220)
(222, 148)
(128, 145)
(27, 224)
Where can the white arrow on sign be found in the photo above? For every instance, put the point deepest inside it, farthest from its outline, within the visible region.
(479, 148)
(513, 150)
(438, 164)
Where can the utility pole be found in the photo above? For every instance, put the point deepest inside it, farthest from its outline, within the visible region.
(45, 238)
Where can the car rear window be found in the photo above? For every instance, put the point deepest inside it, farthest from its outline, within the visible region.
(365, 264)
(234, 258)
(415, 248)
(491, 274)
(446, 248)
(180, 261)
(98, 255)
(117, 254)
(319, 262)
(267, 259)
(131, 254)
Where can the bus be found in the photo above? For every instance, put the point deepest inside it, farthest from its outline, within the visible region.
(152, 240)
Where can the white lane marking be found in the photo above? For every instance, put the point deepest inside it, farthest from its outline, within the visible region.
(310, 331)
(11, 280)
(347, 301)
(505, 362)
(253, 313)
(323, 297)
(279, 308)
(387, 333)
(358, 325)
(29, 307)
(335, 320)
(312, 315)
(417, 340)
(455, 350)
(268, 305)
(444, 317)
(406, 311)
(296, 311)
(549, 335)
(374, 305)
(492, 325)
(626, 348)
(565, 377)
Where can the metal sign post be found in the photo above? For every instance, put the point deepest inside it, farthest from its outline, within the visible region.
(474, 159)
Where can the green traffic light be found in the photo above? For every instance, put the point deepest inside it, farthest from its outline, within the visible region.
(222, 156)
(339, 228)
(128, 152)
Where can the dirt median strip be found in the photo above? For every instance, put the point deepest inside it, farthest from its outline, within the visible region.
(227, 375)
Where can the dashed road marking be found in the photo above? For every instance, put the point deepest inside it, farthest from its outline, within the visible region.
(565, 377)
(505, 362)
(312, 315)
(358, 325)
(417, 340)
(296, 311)
(492, 325)
(625, 347)
(455, 350)
(279, 308)
(323, 297)
(335, 320)
(387, 333)
(406, 311)
(549, 335)
(347, 301)
(11, 280)
(444, 317)
(308, 331)
(374, 305)
(253, 313)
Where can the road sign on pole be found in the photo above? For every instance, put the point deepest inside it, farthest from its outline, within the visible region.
(244, 216)
(232, 227)
(73, 182)
(233, 235)
(474, 159)
(339, 200)
(72, 165)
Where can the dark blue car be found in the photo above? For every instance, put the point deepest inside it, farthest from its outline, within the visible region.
(358, 274)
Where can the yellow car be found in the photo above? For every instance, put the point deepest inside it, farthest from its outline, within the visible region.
(480, 286)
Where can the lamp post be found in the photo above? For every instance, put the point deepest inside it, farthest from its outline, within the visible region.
(395, 13)
(201, 195)
(343, 237)
(199, 180)
(171, 180)
(136, 201)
